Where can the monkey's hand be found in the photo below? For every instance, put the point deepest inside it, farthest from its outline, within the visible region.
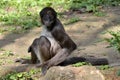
(44, 67)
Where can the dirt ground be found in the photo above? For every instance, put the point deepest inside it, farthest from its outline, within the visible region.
(87, 34)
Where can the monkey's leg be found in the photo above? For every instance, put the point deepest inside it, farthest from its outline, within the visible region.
(33, 58)
(27, 61)
(58, 58)
(44, 45)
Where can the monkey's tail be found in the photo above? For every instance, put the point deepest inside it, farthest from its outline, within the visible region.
(29, 49)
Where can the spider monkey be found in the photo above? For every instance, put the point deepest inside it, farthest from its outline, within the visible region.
(54, 45)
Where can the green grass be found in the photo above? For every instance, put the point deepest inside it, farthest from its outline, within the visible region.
(8, 53)
(92, 5)
(25, 13)
(114, 41)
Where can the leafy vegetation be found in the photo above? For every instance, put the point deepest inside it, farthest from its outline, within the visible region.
(20, 76)
(24, 13)
(8, 53)
(99, 14)
(104, 67)
(114, 41)
(19, 13)
(118, 73)
(80, 64)
(92, 5)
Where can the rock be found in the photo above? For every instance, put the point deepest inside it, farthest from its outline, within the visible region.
(73, 73)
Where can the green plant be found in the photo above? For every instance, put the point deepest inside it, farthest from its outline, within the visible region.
(20, 76)
(114, 41)
(104, 67)
(24, 13)
(17, 76)
(118, 73)
(2, 31)
(8, 53)
(80, 64)
(19, 13)
(92, 5)
(99, 14)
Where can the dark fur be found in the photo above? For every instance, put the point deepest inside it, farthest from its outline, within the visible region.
(42, 48)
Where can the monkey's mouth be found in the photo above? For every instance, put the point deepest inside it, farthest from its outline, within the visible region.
(48, 25)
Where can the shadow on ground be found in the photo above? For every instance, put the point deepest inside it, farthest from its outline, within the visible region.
(10, 39)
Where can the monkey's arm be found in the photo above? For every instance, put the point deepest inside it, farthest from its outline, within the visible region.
(67, 46)
(63, 39)
(59, 57)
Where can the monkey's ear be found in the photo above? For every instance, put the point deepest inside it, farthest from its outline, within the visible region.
(29, 49)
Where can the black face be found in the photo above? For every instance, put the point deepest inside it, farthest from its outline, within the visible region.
(48, 16)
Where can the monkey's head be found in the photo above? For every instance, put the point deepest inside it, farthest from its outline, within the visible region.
(48, 16)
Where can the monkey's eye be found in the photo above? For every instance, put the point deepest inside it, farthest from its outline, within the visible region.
(48, 18)
(45, 18)
(51, 17)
